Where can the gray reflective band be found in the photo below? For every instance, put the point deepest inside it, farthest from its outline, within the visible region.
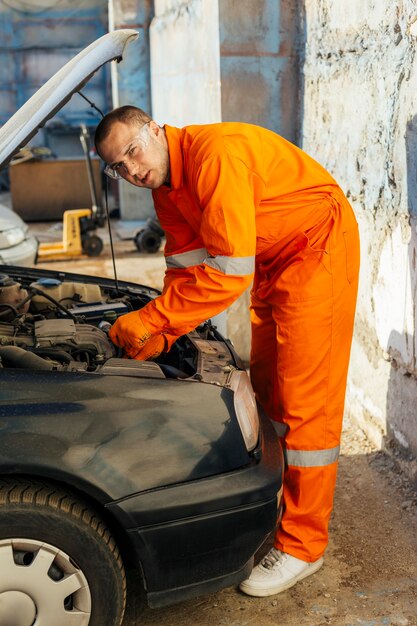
(312, 458)
(225, 264)
(187, 259)
(241, 265)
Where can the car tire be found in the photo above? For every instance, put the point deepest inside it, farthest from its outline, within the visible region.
(148, 240)
(56, 557)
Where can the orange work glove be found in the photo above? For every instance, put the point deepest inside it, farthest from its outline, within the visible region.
(130, 333)
(151, 349)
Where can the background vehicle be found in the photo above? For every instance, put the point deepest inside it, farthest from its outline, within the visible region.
(17, 245)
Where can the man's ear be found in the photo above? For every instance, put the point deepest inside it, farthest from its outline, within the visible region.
(153, 126)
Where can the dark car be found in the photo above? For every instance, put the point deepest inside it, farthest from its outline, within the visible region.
(108, 463)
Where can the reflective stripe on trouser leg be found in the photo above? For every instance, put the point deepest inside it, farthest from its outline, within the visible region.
(312, 458)
(302, 319)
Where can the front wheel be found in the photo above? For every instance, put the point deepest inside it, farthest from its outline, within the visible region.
(59, 564)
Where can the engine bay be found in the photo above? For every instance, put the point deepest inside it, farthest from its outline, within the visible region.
(61, 324)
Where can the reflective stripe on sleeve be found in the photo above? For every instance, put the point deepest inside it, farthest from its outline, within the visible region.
(226, 264)
(241, 266)
(186, 259)
(312, 458)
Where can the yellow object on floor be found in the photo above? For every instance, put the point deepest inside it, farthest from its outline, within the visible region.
(75, 242)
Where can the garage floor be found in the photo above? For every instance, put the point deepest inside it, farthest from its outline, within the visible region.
(370, 572)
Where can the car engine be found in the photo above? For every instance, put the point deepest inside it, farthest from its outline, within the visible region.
(61, 324)
(49, 324)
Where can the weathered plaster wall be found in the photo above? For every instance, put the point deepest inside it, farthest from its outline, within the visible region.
(185, 63)
(360, 122)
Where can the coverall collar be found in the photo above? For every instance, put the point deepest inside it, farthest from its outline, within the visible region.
(173, 136)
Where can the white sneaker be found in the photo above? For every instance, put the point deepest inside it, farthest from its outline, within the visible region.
(276, 572)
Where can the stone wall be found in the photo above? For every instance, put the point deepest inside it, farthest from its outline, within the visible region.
(360, 121)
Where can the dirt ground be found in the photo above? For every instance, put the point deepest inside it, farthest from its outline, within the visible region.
(370, 573)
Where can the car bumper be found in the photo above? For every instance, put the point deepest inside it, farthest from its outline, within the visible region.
(198, 537)
(23, 254)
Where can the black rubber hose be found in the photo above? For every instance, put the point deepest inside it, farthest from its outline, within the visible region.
(57, 355)
(9, 308)
(13, 356)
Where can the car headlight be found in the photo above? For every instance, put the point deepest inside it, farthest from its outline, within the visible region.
(14, 236)
(246, 409)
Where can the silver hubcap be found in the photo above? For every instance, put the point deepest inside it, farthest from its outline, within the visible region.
(41, 584)
(18, 605)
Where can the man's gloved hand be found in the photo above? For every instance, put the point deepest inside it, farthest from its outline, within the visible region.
(130, 333)
(151, 349)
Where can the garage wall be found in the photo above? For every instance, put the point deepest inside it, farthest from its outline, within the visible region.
(37, 38)
(185, 62)
(259, 63)
(360, 122)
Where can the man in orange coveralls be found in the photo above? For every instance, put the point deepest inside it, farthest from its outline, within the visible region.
(239, 203)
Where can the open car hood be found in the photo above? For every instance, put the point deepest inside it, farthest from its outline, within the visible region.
(52, 96)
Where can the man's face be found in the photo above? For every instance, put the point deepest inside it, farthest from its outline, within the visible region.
(138, 154)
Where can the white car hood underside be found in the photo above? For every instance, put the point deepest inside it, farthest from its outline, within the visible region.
(58, 90)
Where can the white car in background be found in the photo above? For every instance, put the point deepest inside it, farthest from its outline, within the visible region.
(17, 245)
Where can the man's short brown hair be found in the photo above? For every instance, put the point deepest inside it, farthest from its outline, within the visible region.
(127, 114)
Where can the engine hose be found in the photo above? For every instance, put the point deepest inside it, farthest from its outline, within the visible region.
(13, 356)
(9, 307)
(57, 355)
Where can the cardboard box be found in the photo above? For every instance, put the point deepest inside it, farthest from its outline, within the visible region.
(43, 190)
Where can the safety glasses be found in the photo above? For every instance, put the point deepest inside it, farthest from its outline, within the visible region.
(132, 150)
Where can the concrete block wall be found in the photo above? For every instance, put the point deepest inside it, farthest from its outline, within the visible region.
(359, 119)
(36, 41)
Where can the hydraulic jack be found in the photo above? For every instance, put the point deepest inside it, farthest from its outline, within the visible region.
(77, 239)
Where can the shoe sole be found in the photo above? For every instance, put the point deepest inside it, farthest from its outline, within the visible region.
(271, 591)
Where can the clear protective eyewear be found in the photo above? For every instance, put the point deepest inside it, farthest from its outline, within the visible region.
(131, 150)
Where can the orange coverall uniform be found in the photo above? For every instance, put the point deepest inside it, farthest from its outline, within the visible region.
(246, 205)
